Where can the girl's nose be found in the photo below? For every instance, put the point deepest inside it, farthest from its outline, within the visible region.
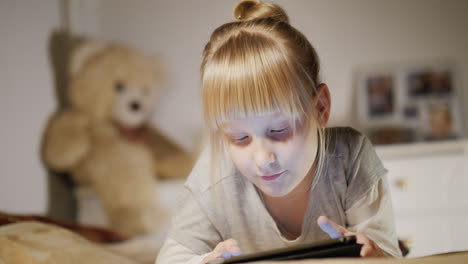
(264, 157)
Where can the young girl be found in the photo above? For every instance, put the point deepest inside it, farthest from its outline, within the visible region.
(274, 176)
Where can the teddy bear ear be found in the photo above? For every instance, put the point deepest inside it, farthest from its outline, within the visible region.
(82, 53)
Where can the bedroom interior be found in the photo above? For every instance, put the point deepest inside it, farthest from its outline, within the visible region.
(362, 43)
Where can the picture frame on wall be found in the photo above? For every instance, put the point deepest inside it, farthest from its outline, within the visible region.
(412, 102)
(380, 93)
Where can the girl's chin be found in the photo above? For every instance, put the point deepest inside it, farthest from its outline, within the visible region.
(275, 192)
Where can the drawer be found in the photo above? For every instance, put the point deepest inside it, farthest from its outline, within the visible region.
(459, 232)
(425, 234)
(458, 185)
(428, 183)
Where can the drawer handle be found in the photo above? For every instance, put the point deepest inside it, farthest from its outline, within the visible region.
(409, 242)
(402, 184)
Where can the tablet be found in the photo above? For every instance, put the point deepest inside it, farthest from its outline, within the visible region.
(332, 248)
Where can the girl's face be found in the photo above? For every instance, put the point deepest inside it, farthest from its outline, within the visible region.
(269, 153)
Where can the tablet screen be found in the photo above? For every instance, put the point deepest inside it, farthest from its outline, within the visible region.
(332, 248)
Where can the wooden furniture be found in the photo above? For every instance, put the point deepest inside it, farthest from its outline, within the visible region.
(429, 187)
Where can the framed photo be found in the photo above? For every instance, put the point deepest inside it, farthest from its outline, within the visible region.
(380, 91)
(401, 103)
(429, 83)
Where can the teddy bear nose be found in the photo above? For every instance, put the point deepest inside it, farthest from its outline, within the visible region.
(135, 106)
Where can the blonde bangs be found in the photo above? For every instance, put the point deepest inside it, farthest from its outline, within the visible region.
(255, 78)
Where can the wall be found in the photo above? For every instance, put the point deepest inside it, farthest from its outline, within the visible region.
(345, 33)
(27, 98)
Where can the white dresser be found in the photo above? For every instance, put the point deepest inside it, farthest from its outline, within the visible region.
(429, 186)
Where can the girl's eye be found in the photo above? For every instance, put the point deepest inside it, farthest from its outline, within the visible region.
(278, 131)
(281, 134)
(240, 140)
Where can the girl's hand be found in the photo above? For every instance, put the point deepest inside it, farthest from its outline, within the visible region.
(224, 250)
(369, 248)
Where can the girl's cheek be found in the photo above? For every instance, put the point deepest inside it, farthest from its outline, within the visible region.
(238, 155)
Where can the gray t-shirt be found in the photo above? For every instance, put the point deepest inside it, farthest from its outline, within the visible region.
(230, 206)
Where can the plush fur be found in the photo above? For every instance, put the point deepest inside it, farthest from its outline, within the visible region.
(103, 139)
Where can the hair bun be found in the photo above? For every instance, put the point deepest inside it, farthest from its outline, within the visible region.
(254, 9)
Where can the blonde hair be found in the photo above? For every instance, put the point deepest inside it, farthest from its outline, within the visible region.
(257, 65)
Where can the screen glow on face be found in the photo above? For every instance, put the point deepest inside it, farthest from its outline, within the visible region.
(270, 152)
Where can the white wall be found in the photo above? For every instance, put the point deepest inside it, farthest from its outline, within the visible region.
(26, 100)
(346, 34)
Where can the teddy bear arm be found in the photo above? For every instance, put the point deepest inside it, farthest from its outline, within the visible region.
(159, 143)
(171, 161)
(175, 166)
(66, 140)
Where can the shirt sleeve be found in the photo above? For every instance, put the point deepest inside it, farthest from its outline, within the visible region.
(192, 234)
(172, 253)
(373, 216)
(364, 171)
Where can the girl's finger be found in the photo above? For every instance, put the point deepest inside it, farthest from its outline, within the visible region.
(228, 248)
(362, 239)
(332, 229)
(367, 250)
(232, 247)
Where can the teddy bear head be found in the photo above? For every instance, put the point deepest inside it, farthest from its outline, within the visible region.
(113, 82)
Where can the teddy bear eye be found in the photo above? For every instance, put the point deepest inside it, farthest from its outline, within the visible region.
(119, 87)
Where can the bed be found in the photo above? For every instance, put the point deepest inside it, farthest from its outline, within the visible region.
(32, 239)
(33, 242)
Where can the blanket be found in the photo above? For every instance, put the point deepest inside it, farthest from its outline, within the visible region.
(142, 249)
(32, 242)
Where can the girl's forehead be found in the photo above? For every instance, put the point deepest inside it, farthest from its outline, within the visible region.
(256, 121)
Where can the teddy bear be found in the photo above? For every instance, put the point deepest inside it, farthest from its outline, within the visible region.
(102, 137)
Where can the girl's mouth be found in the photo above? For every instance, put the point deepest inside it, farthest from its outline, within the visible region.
(272, 177)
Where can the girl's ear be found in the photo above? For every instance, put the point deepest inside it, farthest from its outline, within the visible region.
(323, 104)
